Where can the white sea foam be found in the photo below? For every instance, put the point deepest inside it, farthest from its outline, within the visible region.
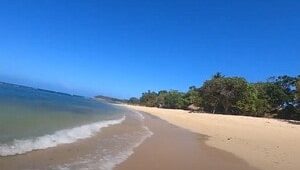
(123, 155)
(60, 137)
(140, 115)
(108, 158)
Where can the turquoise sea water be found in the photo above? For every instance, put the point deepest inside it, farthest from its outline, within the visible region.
(36, 119)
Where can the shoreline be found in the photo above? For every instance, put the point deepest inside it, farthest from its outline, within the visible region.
(263, 143)
(179, 140)
(107, 148)
(168, 147)
(174, 148)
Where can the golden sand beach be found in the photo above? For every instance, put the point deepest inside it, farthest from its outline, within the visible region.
(174, 148)
(263, 143)
(183, 140)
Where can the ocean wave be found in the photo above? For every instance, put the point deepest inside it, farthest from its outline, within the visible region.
(123, 155)
(139, 115)
(121, 147)
(59, 137)
(108, 160)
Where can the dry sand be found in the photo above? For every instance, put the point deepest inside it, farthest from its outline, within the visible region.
(263, 143)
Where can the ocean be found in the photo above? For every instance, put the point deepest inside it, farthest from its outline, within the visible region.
(37, 120)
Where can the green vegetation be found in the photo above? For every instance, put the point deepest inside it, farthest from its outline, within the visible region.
(174, 100)
(111, 99)
(222, 93)
(193, 96)
(278, 97)
(298, 92)
(133, 101)
(149, 99)
(298, 95)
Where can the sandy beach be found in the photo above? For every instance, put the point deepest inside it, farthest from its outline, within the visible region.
(174, 148)
(262, 143)
(169, 148)
(180, 140)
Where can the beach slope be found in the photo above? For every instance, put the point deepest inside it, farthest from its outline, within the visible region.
(174, 148)
(261, 142)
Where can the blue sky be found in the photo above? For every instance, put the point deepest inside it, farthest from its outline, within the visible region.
(122, 48)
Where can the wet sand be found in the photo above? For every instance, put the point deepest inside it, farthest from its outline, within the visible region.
(263, 143)
(174, 148)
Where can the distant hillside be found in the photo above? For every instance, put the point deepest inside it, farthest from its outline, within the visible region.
(110, 99)
(3, 84)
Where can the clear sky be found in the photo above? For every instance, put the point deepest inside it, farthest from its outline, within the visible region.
(124, 47)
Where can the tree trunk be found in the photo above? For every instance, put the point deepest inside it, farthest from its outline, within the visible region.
(226, 109)
(226, 106)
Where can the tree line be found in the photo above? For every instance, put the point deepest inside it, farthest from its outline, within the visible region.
(277, 97)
